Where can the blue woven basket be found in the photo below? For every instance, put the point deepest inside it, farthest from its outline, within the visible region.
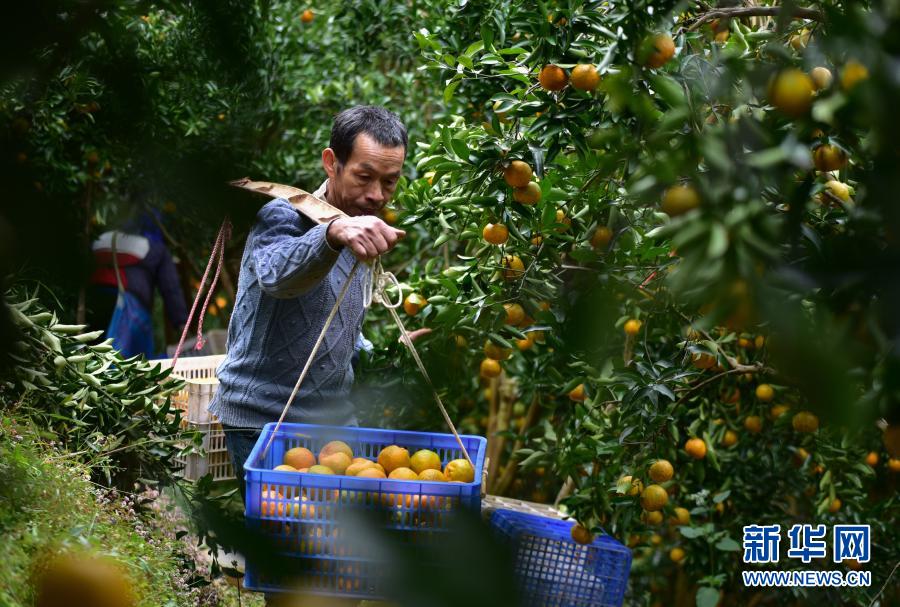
(555, 571)
(305, 515)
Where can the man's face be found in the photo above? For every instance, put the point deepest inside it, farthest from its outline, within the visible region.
(367, 181)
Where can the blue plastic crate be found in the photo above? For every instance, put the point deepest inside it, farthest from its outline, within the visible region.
(305, 515)
(555, 571)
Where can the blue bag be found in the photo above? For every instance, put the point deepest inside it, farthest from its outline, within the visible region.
(131, 327)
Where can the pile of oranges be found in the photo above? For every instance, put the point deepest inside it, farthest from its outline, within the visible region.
(393, 462)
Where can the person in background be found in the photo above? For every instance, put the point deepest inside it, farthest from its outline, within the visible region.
(145, 266)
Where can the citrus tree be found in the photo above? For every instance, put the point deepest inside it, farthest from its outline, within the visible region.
(156, 106)
(661, 238)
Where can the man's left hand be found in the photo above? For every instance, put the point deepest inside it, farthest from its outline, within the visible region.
(414, 335)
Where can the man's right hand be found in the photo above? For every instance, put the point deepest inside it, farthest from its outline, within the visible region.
(367, 236)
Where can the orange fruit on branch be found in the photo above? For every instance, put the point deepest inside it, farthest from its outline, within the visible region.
(821, 77)
(657, 50)
(729, 439)
(528, 195)
(581, 535)
(778, 410)
(515, 314)
(495, 233)
(601, 238)
(679, 199)
(805, 422)
(495, 351)
(661, 471)
(553, 78)
(635, 486)
(632, 327)
(489, 368)
(682, 517)
(891, 438)
(765, 393)
(753, 424)
(518, 174)
(654, 498)
(696, 448)
(652, 518)
(513, 267)
(839, 190)
(853, 73)
(702, 360)
(414, 303)
(791, 91)
(585, 77)
(828, 157)
(577, 393)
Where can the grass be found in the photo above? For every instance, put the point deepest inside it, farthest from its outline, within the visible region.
(49, 506)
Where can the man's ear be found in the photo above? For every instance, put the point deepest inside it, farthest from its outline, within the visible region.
(329, 162)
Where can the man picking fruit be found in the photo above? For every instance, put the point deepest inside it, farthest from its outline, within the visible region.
(291, 273)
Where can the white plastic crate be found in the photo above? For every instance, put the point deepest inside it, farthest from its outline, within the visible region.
(215, 460)
(200, 384)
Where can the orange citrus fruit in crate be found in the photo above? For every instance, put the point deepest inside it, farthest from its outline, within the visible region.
(393, 457)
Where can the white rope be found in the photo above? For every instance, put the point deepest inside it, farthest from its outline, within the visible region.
(375, 286)
(378, 282)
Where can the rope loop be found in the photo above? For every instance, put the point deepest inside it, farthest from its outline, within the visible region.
(379, 283)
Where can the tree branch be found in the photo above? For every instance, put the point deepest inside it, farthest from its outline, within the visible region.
(509, 472)
(755, 11)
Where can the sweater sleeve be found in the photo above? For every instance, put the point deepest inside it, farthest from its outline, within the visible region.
(289, 258)
(170, 289)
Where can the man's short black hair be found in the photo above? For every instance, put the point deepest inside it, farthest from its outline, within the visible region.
(378, 123)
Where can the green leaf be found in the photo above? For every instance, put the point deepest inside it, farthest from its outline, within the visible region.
(487, 34)
(533, 458)
(668, 90)
(721, 497)
(767, 158)
(460, 148)
(474, 48)
(707, 597)
(726, 544)
(718, 241)
(623, 485)
(692, 532)
(451, 88)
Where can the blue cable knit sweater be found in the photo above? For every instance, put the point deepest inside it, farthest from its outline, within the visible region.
(289, 280)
